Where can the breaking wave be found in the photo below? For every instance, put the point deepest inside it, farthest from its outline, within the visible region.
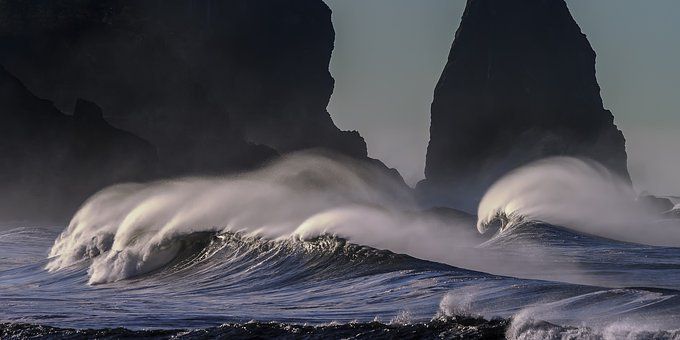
(577, 194)
(128, 230)
(318, 246)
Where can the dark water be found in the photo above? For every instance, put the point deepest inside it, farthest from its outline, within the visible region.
(453, 328)
(228, 285)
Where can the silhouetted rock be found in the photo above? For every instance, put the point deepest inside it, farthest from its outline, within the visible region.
(198, 79)
(216, 86)
(50, 162)
(519, 85)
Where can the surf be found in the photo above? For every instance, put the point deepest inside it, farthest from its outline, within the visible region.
(128, 230)
(578, 194)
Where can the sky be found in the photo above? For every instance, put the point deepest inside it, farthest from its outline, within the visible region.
(389, 55)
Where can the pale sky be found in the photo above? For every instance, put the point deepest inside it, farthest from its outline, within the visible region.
(389, 55)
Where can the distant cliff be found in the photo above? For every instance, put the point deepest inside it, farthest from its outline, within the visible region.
(50, 162)
(519, 85)
(215, 87)
(196, 78)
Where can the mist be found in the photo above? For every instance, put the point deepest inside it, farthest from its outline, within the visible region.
(389, 55)
(387, 60)
(131, 229)
(254, 169)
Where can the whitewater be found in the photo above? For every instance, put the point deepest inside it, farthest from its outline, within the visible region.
(319, 245)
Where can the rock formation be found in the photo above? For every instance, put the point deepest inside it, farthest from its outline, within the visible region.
(215, 86)
(50, 162)
(196, 78)
(519, 85)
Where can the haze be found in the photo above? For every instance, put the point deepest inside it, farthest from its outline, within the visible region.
(389, 55)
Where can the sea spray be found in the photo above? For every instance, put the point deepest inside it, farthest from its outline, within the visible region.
(578, 194)
(131, 229)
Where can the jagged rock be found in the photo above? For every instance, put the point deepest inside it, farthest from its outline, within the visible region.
(519, 85)
(196, 78)
(51, 162)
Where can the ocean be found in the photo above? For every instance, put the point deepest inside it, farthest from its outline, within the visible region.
(311, 248)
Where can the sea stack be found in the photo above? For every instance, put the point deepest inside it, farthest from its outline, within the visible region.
(519, 85)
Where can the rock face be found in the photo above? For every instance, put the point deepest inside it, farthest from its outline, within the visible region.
(201, 80)
(519, 85)
(51, 162)
(214, 86)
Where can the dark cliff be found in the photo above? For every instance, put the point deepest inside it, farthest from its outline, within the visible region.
(215, 87)
(50, 162)
(519, 85)
(201, 80)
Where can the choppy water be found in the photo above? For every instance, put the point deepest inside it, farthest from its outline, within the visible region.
(150, 261)
(342, 288)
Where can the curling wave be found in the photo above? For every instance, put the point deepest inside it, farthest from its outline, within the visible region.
(577, 194)
(318, 240)
(128, 230)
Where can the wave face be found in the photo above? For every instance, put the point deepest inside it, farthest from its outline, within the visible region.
(225, 278)
(317, 247)
(229, 277)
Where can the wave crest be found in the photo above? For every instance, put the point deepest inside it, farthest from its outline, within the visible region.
(131, 229)
(128, 230)
(578, 194)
